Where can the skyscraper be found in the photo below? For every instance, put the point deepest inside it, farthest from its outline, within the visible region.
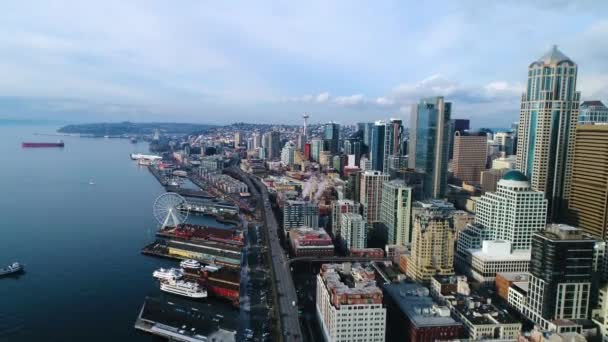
(288, 154)
(377, 153)
(340, 207)
(300, 213)
(331, 135)
(547, 122)
(562, 275)
(393, 135)
(366, 129)
(371, 193)
(316, 146)
(396, 210)
(271, 141)
(238, 139)
(514, 212)
(457, 125)
(432, 241)
(588, 200)
(257, 140)
(429, 144)
(470, 156)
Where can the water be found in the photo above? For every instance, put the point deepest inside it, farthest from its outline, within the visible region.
(85, 277)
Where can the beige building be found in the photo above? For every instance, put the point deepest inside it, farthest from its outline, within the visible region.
(470, 156)
(588, 200)
(432, 241)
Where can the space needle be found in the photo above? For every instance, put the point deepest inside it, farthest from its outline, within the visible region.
(305, 117)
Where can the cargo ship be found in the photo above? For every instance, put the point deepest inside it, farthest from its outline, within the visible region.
(42, 144)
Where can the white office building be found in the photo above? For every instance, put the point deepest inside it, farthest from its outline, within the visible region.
(353, 231)
(396, 210)
(514, 212)
(496, 257)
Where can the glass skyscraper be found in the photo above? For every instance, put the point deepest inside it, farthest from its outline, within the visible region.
(331, 135)
(547, 123)
(377, 153)
(429, 143)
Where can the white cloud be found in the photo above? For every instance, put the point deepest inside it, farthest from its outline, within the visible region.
(322, 98)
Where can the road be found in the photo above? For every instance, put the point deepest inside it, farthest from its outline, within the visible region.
(287, 304)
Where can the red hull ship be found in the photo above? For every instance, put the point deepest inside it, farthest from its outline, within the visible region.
(42, 144)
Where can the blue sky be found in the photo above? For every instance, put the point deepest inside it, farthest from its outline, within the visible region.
(226, 61)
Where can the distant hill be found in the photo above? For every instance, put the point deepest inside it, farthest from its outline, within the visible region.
(133, 128)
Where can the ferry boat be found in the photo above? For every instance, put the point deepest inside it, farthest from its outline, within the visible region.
(190, 264)
(168, 273)
(136, 156)
(11, 269)
(183, 288)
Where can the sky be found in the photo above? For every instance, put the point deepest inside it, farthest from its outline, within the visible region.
(257, 61)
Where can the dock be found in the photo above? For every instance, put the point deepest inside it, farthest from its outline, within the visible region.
(184, 320)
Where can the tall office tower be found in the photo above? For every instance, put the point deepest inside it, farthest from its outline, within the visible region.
(393, 135)
(547, 123)
(352, 145)
(432, 241)
(331, 135)
(316, 149)
(588, 200)
(371, 193)
(265, 146)
(301, 141)
(307, 150)
(288, 154)
(340, 207)
(274, 151)
(300, 213)
(257, 140)
(593, 112)
(429, 144)
(376, 152)
(457, 125)
(353, 186)
(353, 230)
(470, 156)
(514, 212)
(562, 275)
(250, 144)
(366, 128)
(396, 210)
(238, 139)
(305, 127)
(349, 304)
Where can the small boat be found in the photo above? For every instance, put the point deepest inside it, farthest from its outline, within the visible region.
(14, 268)
(191, 264)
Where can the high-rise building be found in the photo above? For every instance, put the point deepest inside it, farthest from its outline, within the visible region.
(353, 186)
(340, 207)
(432, 241)
(257, 140)
(593, 112)
(307, 151)
(562, 275)
(300, 142)
(366, 129)
(547, 122)
(470, 156)
(457, 125)
(300, 213)
(371, 194)
(588, 200)
(429, 144)
(505, 142)
(514, 212)
(393, 136)
(378, 140)
(352, 146)
(490, 179)
(331, 135)
(238, 139)
(396, 211)
(274, 151)
(316, 149)
(288, 154)
(353, 230)
(349, 304)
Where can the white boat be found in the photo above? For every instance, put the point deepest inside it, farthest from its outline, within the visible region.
(192, 264)
(151, 157)
(11, 269)
(168, 273)
(183, 288)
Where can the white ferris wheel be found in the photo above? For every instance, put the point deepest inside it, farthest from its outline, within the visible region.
(170, 210)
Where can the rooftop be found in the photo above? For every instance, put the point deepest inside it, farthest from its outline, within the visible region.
(414, 301)
(515, 175)
(554, 56)
(480, 311)
(351, 284)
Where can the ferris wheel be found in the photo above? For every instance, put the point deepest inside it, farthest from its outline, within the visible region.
(169, 210)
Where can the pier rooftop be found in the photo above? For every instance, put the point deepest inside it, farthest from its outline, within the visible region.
(185, 320)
